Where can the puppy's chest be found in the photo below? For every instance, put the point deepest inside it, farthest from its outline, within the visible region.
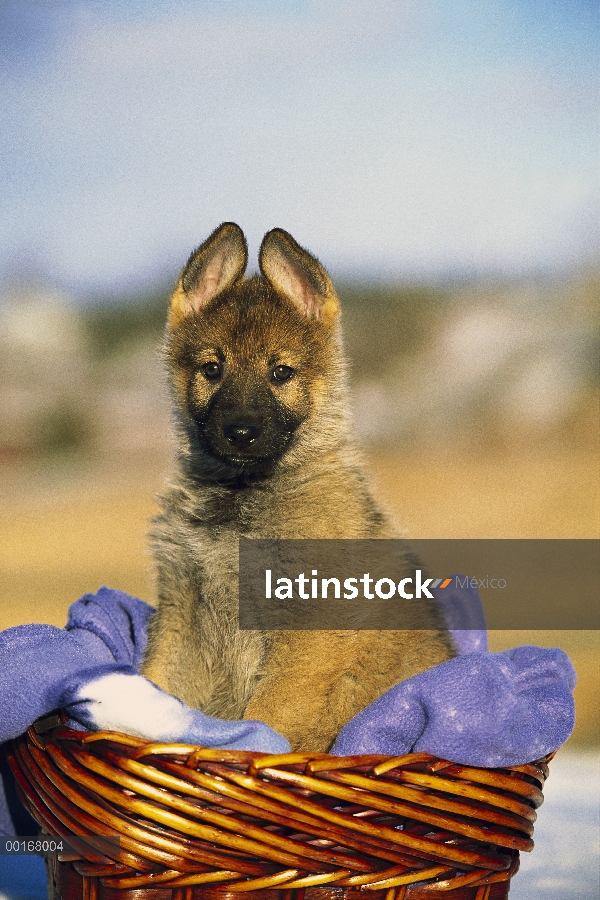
(213, 522)
(221, 520)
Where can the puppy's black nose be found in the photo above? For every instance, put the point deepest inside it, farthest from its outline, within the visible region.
(241, 435)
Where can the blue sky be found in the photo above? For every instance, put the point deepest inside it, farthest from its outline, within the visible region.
(394, 138)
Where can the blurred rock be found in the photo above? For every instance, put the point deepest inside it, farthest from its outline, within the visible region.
(45, 376)
(60, 398)
(506, 365)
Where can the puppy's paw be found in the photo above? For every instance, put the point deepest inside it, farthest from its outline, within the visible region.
(129, 703)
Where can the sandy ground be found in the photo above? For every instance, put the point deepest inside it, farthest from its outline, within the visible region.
(65, 532)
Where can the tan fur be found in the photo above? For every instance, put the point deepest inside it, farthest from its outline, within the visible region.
(310, 484)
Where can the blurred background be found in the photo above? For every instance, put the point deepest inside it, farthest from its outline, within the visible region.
(441, 159)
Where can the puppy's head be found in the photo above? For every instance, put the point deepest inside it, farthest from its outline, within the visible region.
(255, 361)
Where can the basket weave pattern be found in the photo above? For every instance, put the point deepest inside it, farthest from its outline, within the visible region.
(195, 822)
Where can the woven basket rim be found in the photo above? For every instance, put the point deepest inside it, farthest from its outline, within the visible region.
(245, 821)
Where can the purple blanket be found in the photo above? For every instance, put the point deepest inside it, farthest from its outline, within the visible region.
(484, 709)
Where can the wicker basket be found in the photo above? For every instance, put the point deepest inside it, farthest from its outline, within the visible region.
(198, 823)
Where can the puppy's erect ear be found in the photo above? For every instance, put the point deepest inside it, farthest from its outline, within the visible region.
(213, 267)
(295, 273)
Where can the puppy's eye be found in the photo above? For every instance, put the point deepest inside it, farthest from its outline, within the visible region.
(281, 373)
(211, 371)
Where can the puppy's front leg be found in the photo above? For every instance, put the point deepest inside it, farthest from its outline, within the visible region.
(172, 660)
(300, 691)
(315, 681)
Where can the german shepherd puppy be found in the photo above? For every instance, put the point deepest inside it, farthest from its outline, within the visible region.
(258, 382)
